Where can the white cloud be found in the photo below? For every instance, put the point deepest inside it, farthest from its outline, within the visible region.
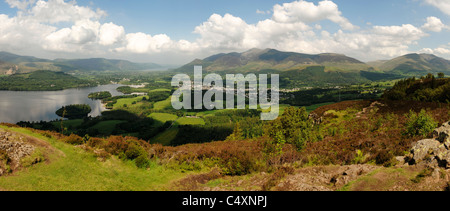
(433, 24)
(110, 34)
(443, 5)
(144, 43)
(227, 32)
(20, 4)
(308, 12)
(71, 39)
(56, 11)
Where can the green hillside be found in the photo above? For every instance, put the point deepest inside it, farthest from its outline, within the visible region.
(42, 80)
(93, 64)
(256, 60)
(416, 64)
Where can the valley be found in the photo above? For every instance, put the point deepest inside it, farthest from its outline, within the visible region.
(347, 123)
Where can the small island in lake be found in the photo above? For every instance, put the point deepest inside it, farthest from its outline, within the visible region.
(100, 95)
(74, 111)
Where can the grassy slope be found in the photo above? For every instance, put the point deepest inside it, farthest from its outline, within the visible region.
(190, 121)
(107, 127)
(78, 170)
(163, 104)
(163, 117)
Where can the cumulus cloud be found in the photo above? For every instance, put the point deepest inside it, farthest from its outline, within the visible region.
(110, 34)
(144, 43)
(434, 24)
(20, 4)
(55, 11)
(443, 5)
(308, 12)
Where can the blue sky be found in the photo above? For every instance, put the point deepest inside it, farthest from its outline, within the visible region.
(177, 31)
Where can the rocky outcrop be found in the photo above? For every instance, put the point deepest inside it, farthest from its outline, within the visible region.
(433, 152)
(12, 150)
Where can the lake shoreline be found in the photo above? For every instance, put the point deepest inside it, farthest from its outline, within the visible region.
(16, 106)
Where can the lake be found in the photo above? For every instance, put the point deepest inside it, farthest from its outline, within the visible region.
(37, 106)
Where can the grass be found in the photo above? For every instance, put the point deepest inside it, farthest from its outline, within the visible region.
(127, 101)
(166, 137)
(107, 127)
(161, 105)
(190, 121)
(69, 123)
(163, 117)
(78, 170)
(160, 90)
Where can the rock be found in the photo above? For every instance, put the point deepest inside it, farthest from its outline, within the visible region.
(421, 150)
(433, 152)
(15, 149)
(442, 134)
(400, 160)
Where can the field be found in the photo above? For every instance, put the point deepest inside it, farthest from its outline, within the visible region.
(163, 117)
(163, 104)
(190, 121)
(69, 123)
(165, 137)
(107, 127)
(127, 101)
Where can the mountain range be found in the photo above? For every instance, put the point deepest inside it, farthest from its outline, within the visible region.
(256, 60)
(303, 67)
(12, 63)
(319, 70)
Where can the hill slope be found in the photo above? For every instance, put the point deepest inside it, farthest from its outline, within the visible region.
(413, 64)
(42, 80)
(256, 60)
(94, 64)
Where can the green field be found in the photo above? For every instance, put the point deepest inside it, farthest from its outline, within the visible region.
(166, 137)
(69, 123)
(163, 104)
(73, 169)
(127, 101)
(190, 121)
(163, 117)
(159, 90)
(107, 127)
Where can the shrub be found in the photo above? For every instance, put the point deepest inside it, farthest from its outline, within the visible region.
(142, 161)
(134, 151)
(73, 139)
(293, 127)
(420, 124)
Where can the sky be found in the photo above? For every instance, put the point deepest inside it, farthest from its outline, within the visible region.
(176, 32)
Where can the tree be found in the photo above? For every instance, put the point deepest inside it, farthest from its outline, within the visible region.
(74, 111)
(421, 124)
(441, 75)
(293, 127)
(237, 133)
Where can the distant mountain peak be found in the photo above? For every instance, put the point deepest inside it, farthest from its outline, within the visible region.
(418, 64)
